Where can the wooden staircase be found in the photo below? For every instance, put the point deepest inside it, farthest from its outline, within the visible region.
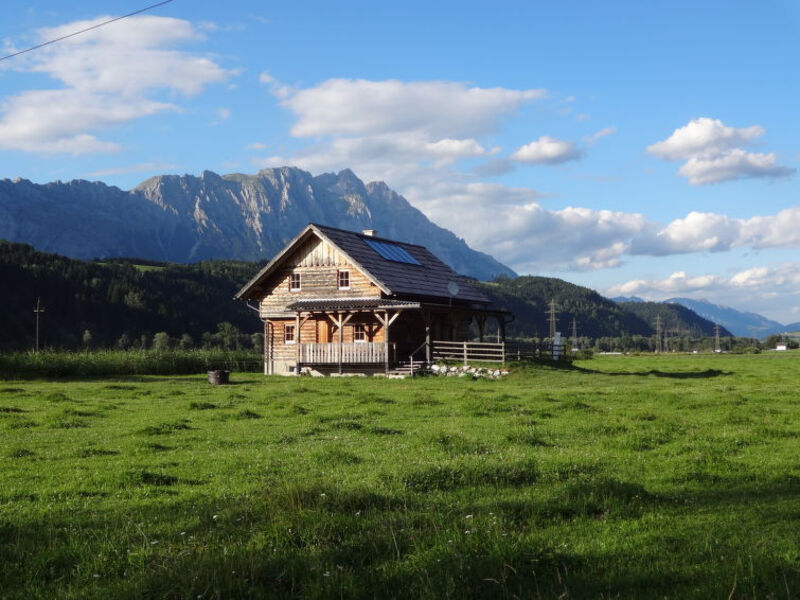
(409, 369)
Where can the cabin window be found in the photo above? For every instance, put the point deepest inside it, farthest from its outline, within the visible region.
(359, 333)
(289, 333)
(294, 282)
(343, 278)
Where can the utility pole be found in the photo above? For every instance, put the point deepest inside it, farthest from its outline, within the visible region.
(658, 334)
(552, 319)
(38, 310)
(574, 333)
(717, 347)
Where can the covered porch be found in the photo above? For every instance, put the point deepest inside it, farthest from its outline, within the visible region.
(372, 335)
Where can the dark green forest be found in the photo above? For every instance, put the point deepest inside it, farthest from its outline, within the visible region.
(122, 303)
(133, 303)
(675, 318)
(529, 297)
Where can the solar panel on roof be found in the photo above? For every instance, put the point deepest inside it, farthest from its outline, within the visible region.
(392, 252)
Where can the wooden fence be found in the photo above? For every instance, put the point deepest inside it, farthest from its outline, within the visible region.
(488, 351)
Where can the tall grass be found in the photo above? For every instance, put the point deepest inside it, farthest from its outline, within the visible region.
(103, 363)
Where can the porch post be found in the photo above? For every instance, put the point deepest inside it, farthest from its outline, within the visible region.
(426, 317)
(297, 339)
(386, 336)
(341, 339)
(267, 348)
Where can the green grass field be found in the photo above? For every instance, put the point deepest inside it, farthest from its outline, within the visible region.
(622, 477)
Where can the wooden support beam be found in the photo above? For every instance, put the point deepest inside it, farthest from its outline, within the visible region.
(297, 343)
(481, 319)
(426, 318)
(340, 337)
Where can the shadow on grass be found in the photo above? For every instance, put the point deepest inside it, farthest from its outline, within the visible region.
(707, 374)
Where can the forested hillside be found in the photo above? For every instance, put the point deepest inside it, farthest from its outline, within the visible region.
(676, 319)
(528, 297)
(120, 303)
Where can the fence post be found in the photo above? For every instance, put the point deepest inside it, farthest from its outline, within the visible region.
(465, 354)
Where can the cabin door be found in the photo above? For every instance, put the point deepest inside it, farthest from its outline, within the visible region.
(324, 331)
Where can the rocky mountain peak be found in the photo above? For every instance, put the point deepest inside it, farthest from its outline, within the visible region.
(248, 217)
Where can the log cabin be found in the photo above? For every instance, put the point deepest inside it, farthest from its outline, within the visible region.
(336, 301)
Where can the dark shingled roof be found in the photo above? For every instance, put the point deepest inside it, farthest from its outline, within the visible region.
(430, 279)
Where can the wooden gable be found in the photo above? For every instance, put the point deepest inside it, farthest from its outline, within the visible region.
(318, 263)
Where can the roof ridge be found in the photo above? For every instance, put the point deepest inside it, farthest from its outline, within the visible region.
(369, 237)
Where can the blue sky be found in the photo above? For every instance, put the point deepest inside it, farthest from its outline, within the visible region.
(635, 147)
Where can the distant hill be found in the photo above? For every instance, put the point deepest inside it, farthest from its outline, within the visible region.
(528, 297)
(743, 324)
(675, 318)
(185, 219)
(115, 298)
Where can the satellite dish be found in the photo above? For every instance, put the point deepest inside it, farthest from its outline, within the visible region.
(453, 288)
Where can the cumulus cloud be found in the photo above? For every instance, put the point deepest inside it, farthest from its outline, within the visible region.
(773, 290)
(547, 151)
(390, 126)
(713, 154)
(512, 225)
(700, 232)
(734, 164)
(437, 109)
(108, 77)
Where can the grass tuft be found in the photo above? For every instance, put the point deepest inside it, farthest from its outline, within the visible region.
(166, 428)
(248, 414)
(202, 406)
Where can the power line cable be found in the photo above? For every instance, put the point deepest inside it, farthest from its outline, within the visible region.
(64, 37)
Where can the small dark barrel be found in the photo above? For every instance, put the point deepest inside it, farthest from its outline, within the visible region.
(219, 377)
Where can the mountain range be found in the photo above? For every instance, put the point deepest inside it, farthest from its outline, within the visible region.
(184, 219)
(739, 323)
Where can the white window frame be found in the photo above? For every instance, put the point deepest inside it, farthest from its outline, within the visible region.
(360, 329)
(292, 277)
(287, 328)
(339, 274)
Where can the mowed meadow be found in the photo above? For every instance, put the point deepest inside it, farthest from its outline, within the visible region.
(619, 477)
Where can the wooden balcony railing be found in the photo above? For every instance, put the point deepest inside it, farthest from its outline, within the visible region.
(351, 353)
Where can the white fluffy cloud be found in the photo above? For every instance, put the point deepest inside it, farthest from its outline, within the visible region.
(733, 164)
(773, 289)
(712, 152)
(438, 109)
(547, 151)
(512, 225)
(108, 76)
(700, 232)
